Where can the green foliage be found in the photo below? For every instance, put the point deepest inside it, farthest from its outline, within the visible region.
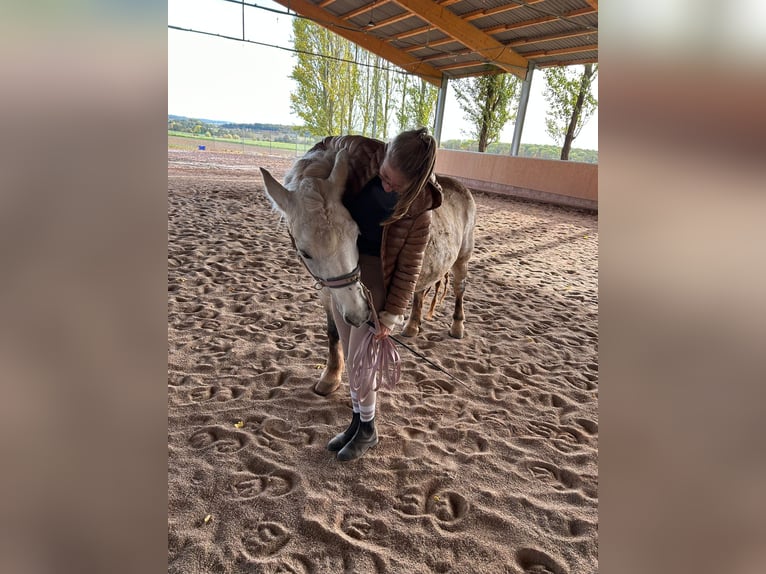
(367, 98)
(326, 88)
(418, 104)
(565, 89)
(487, 102)
(387, 83)
(271, 134)
(375, 102)
(525, 150)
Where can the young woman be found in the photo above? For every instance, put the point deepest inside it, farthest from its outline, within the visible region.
(390, 193)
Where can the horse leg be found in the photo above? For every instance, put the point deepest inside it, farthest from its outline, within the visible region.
(442, 285)
(460, 271)
(333, 371)
(412, 327)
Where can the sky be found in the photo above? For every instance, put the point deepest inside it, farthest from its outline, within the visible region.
(221, 79)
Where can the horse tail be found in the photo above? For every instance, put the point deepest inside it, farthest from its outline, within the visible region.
(434, 301)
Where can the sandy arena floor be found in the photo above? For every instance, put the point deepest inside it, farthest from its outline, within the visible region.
(497, 476)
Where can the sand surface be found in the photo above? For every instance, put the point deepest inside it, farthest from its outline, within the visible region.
(497, 474)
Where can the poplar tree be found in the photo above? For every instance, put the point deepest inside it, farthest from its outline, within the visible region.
(488, 104)
(418, 103)
(326, 87)
(422, 103)
(572, 103)
(337, 97)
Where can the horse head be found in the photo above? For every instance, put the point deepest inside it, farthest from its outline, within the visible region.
(322, 229)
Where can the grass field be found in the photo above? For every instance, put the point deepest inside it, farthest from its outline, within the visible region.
(296, 147)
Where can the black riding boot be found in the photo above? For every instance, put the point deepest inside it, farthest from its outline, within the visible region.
(340, 440)
(366, 436)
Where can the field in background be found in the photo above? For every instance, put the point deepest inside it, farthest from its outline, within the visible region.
(192, 141)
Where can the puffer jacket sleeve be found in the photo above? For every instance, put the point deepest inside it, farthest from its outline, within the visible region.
(412, 240)
(364, 156)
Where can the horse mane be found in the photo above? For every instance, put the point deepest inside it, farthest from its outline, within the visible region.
(318, 163)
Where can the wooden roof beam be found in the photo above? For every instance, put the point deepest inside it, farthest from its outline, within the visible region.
(468, 35)
(467, 17)
(512, 44)
(515, 43)
(459, 75)
(433, 44)
(361, 10)
(391, 20)
(416, 31)
(367, 41)
(481, 13)
(565, 63)
(443, 55)
(550, 37)
(535, 21)
(562, 51)
(413, 32)
(458, 65)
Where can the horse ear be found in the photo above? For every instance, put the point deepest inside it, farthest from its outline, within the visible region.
(339, 173)
(279, 196)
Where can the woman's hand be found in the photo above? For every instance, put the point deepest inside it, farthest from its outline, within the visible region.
(382, 333)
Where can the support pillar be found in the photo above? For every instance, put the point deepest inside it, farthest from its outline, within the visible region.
(522, 111)
(441, 101)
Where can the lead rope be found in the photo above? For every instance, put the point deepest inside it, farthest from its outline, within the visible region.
(376, 364)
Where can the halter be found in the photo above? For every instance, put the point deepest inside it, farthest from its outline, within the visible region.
(334, 282)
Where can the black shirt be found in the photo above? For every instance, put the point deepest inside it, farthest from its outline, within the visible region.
(371, 207)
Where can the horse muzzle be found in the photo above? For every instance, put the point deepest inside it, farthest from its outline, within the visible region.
(357, 319)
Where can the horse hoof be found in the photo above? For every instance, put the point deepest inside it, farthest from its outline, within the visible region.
(324, 388)
(457, 334)
(410, 331)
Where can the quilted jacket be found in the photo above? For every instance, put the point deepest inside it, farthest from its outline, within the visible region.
(404, 240)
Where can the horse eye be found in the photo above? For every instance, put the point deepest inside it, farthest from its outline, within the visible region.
(304, 254)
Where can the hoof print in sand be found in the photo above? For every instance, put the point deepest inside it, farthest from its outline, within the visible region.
(213, 392)
(264, 479)
(552, 475)
(533, 561)
(447, 507)
(278, 434)
(263, 539)
(285, 345)
(361, 527)
(432, 388)
(271, 485)
(411, 502)
(219, 439)
(202, 394)
(275, 325)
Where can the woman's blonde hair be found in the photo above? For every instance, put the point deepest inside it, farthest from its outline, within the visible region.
(413, 154)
